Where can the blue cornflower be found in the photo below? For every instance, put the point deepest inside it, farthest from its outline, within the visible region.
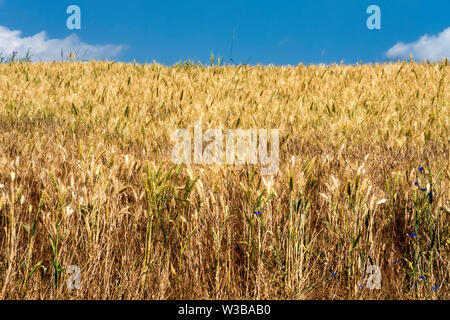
(423, 189)
(257, 212)
(422, 278)
(413, 235)
(361, 286)
(334, 274)
(420, 169)
(434, 288)
(395, 261)
(416, 183)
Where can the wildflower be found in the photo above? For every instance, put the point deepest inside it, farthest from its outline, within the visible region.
(396, 261)
(416, 183)
(423, 189)
(422, 278)
(413, 235)
(334, 274)
(257, 213)
(434, 288)
(361, 286)
(420, 169)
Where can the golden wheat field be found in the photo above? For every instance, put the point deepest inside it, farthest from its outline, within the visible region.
(86, 179)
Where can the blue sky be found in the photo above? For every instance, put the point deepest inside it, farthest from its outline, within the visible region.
(266, 32)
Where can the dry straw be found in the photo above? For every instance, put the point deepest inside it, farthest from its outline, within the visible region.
(95, 186)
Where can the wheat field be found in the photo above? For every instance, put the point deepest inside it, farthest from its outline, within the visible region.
(86, 179)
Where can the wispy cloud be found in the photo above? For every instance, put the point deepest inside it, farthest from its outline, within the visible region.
(433, 48)
(284, 41)
(44, 49)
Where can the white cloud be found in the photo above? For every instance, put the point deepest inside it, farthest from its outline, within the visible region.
(45, 49)
(433, 48)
